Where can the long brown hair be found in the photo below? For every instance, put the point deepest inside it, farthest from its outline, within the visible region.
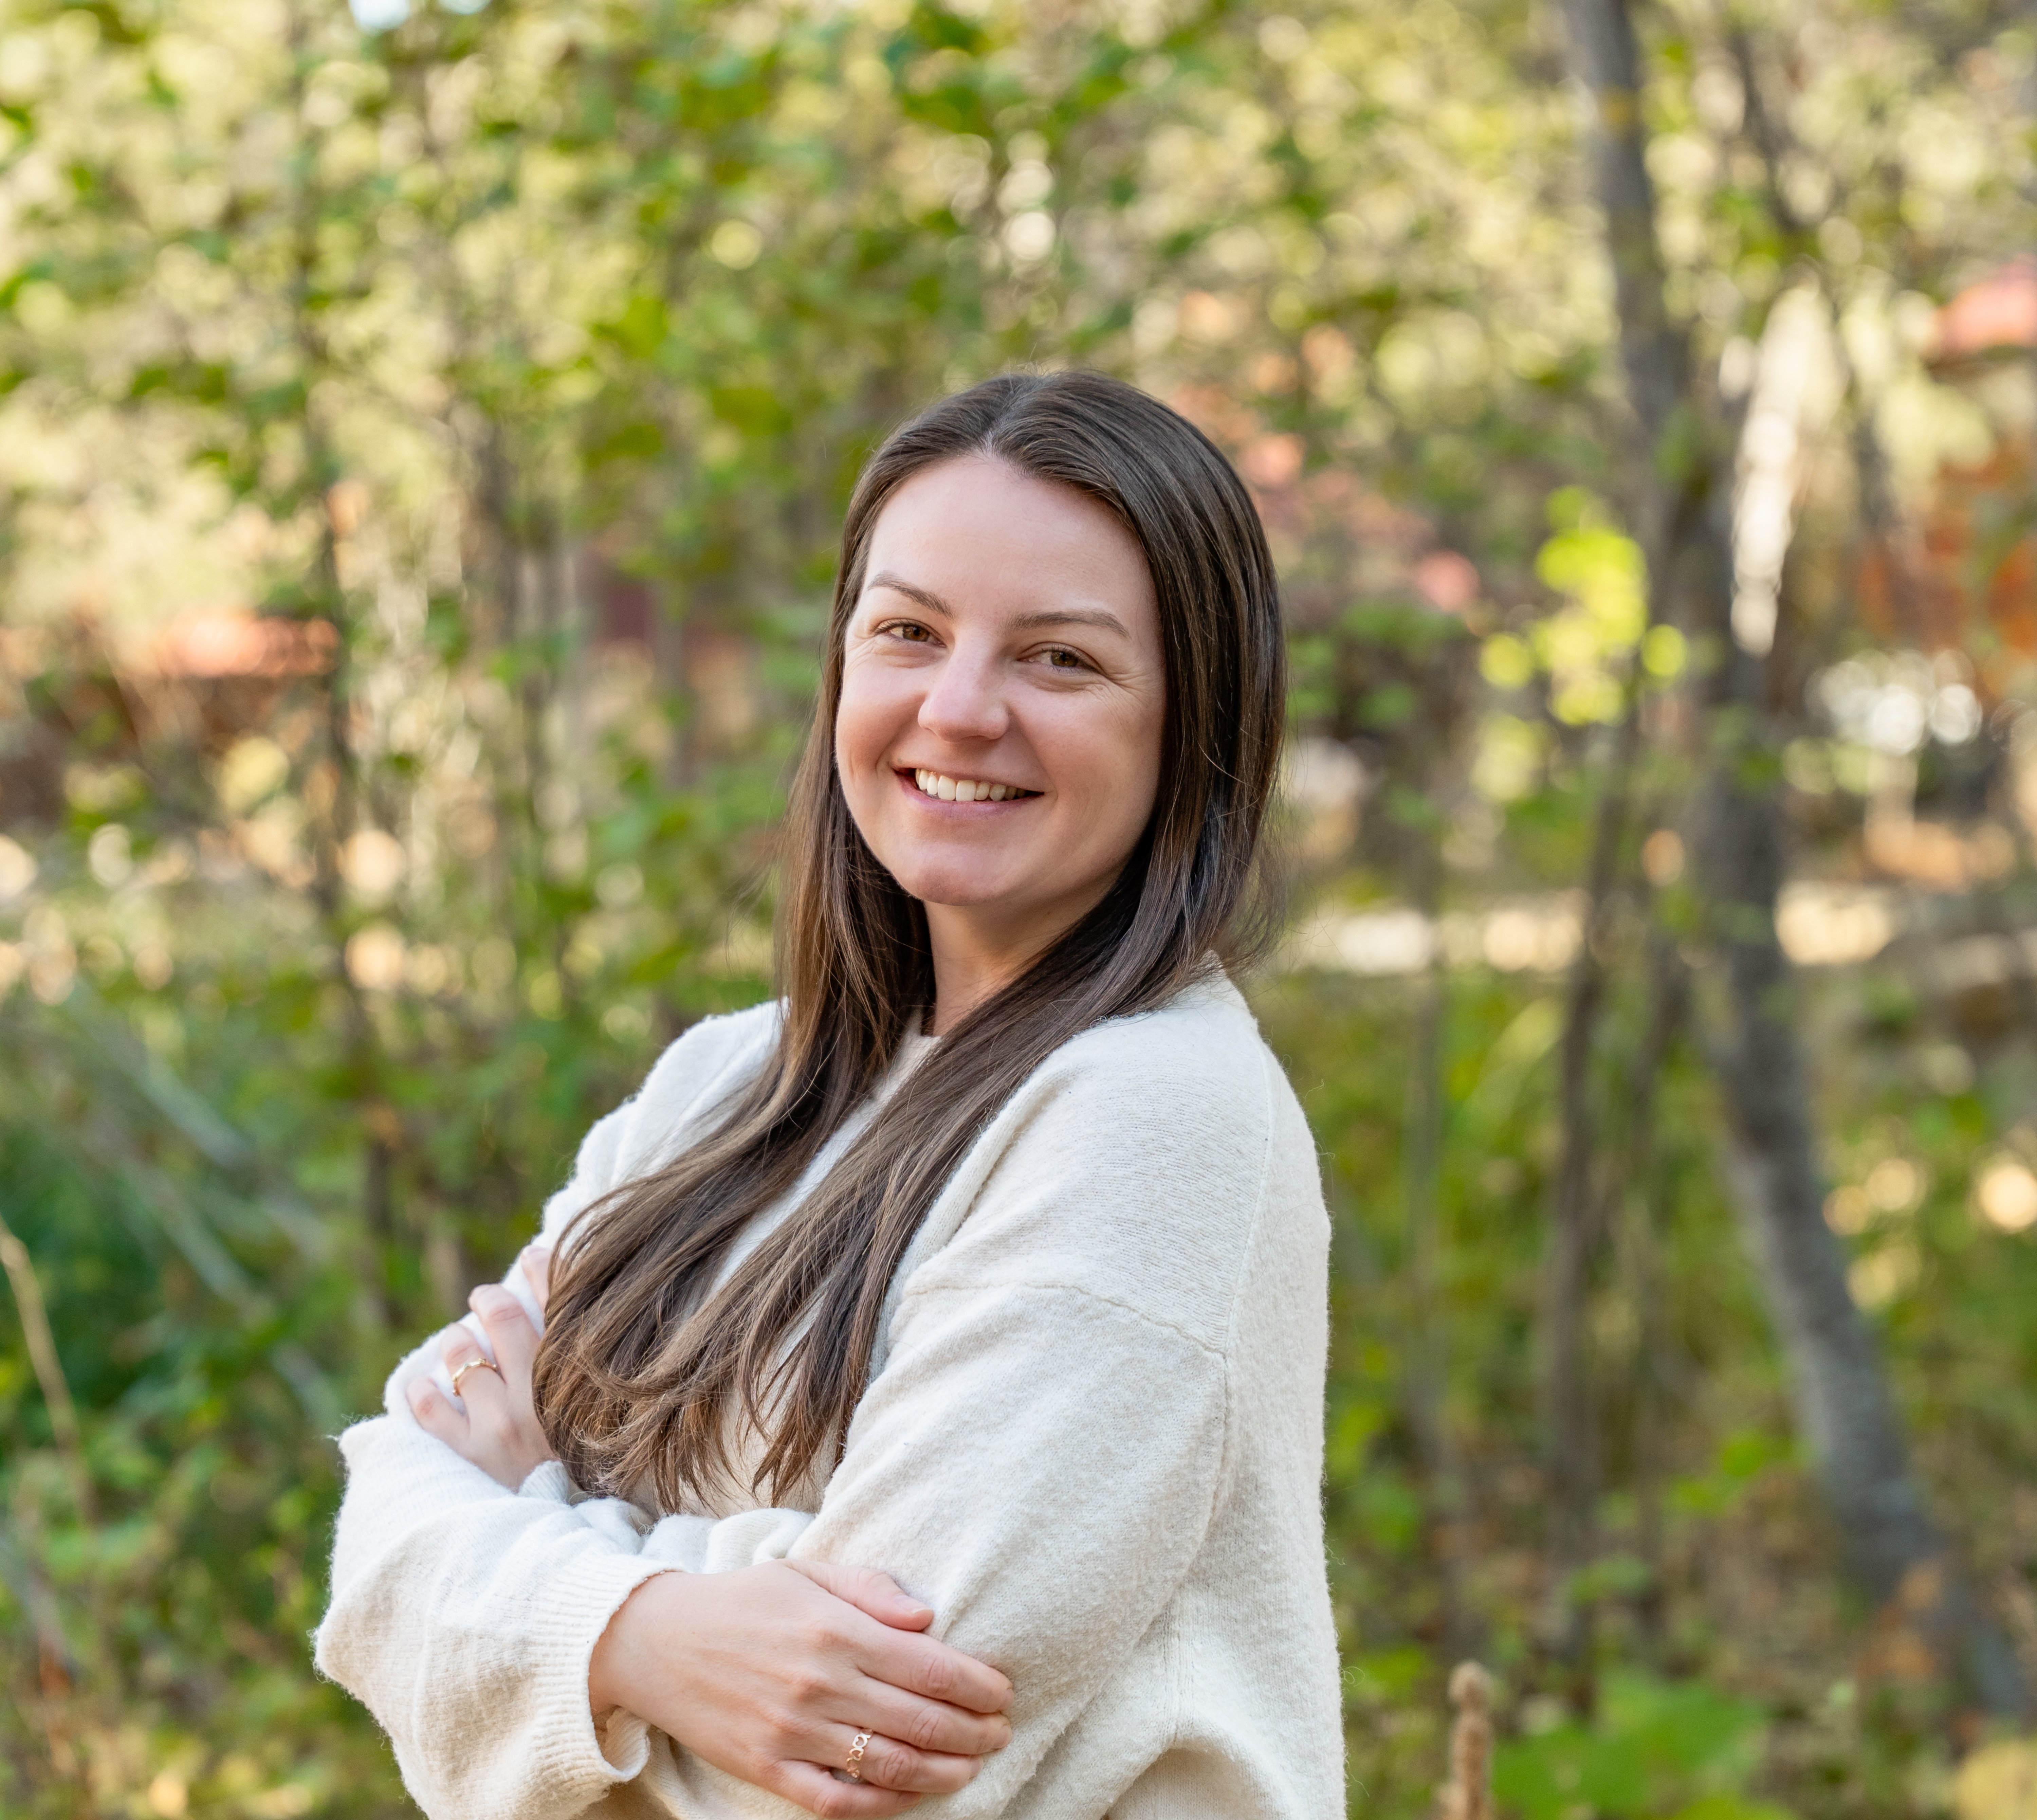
(643, 1361)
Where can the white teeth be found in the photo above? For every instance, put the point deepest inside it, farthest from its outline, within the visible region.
(964, 789)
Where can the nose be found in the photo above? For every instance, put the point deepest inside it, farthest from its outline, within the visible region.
(965, 703)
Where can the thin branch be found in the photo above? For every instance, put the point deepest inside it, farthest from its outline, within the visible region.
(49, 1368)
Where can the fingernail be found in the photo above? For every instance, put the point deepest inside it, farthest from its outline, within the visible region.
(538, 1249)
(490, 1299)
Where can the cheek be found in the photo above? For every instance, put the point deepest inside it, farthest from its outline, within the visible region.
(1112, 766)
(1142, 788)
(865, 722)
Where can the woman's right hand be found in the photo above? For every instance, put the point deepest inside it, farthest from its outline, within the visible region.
(770, 1672)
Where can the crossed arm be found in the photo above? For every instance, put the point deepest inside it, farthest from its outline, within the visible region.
(1036, 1463)
(770, 1672)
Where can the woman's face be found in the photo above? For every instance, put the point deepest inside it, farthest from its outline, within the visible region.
(1002, 693)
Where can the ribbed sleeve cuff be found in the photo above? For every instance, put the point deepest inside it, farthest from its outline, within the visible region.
(569, 1613)
(548, 1479)
(626, 1742)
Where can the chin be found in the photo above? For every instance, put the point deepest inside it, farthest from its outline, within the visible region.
(939, 885)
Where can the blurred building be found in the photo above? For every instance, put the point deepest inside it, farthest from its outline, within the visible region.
(1969, 565)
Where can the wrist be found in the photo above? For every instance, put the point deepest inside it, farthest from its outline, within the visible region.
(650, 1607)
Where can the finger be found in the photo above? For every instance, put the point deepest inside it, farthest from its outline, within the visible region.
(814, 1789)
(870, 1591)
(537, 1264)
(509, 1329)
(481, 1387)
(924, 1666)
(885, 1763)
(435, 1415)
(457, 1344)
(930, 1725)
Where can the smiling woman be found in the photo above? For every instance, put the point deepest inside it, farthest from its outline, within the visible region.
(988, 1263)
(1003, 689)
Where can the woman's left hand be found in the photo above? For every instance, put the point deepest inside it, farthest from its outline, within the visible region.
(498, 1431)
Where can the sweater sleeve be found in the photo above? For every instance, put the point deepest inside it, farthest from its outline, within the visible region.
(1040, 1466)
(464, 1615)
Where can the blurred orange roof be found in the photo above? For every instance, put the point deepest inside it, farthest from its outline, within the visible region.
(1999, 311)
(224, 643)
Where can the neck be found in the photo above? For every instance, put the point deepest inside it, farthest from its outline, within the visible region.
(978, 950)
(976, 957)
(967, 971)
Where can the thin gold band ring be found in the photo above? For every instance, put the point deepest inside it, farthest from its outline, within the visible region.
(474, 1365)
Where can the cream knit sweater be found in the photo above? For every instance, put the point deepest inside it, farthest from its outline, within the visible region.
(1091, 1441)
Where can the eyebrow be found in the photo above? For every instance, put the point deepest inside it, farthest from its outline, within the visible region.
(1098, 617)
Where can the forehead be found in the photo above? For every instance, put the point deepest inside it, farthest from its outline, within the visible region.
(986, 536)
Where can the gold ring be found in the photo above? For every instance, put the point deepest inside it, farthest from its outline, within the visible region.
(853, 1768)
(475, 1365)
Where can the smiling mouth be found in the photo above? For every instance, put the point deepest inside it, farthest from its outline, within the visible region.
(966, 789)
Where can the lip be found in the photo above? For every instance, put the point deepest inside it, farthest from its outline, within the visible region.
(919, 796)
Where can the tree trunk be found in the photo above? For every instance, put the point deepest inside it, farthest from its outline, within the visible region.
(1575, 1233)
(1428, 1345)
(1843, 1407)
(1647, 1227)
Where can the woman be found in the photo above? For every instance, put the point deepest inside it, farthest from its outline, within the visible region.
(991, 1259)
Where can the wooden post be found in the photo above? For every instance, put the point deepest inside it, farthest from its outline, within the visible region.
(1467, 1794)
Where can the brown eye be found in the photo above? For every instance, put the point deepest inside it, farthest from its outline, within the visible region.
(906, 629)
(1061, 659)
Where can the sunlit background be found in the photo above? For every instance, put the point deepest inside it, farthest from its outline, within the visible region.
(423, 432)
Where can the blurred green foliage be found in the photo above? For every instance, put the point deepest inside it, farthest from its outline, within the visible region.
(421, 450)
(1656, 1749)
